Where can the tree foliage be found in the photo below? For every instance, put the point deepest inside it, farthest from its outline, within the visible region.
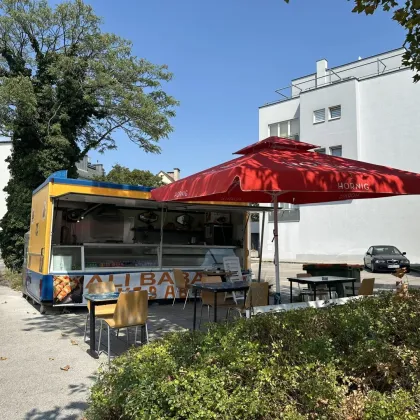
(66, 88)
(407, 14)
(122, 175)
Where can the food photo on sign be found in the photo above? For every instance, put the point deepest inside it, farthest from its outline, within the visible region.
(68, 289)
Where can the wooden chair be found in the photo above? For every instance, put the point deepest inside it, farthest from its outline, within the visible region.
(207, 298)
(131, 311)
(102, 310)
(366, 287)
(257, 296)
(180, 284)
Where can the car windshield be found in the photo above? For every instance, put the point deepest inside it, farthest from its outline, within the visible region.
(385, 250)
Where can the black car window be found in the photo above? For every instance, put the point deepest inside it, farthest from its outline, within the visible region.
(370, 250)
(386, 250)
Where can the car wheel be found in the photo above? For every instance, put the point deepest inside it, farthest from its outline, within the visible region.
(364, 263)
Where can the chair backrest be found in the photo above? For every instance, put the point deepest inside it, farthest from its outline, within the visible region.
(257, 295)
(101, 287)
(131, 309)
(232, 264)
(303, 275)
(179, 278)
(366, 287)
(207, 298)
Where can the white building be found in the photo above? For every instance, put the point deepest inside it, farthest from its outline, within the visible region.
(5, 151)
(169, 177)
(367, 110)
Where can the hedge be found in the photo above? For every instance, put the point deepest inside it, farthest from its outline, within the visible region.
(356, 361)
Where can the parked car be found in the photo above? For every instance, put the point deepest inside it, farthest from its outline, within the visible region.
(385, 258)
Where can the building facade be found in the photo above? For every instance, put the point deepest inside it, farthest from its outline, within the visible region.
(5, 151)
(368, 110)
(88, 170)
(170, 176)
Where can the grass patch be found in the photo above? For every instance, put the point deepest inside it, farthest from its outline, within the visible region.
(12, 279)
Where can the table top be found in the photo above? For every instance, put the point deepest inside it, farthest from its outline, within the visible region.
(216, 273)
(106, 297)
(321, 279)
(102, 297)
(223, 287)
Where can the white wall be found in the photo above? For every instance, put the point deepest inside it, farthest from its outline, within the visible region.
(380, 123)
(341, 132)
(5, 151)
(282, 111)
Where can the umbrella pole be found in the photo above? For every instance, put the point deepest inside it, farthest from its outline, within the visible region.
(276, 248)
(261, 247)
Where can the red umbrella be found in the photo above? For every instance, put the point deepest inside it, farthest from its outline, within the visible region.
(278, 169)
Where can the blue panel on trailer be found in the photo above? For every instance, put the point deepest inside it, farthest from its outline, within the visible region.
(39, 287)
(47, 288)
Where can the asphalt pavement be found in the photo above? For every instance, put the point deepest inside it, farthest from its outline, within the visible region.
(34, 350)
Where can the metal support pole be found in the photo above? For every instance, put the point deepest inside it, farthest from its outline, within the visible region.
(261, 246)
(276, 248)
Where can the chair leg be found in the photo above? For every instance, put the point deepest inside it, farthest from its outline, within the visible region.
(100, 335)
(147, 333)
(174, 297)
(201, 316)
(208, 312)
(109, 345)
(186, 298)
(86, 324)
(128, 339)
(135, 337)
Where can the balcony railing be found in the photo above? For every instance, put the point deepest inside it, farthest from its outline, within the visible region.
(358, 71)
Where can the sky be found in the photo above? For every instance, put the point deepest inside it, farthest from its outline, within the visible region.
(228, 58)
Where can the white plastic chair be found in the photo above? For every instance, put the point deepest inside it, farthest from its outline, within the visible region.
(232, 265)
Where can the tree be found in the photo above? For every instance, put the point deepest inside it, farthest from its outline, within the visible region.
(122, 175)
(66, 88)
(408, 16)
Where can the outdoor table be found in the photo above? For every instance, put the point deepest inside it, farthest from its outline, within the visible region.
(313, 282)
(216, 288)
(98, 299)
(212, 273)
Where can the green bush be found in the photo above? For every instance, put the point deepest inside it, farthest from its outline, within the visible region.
(357, 361)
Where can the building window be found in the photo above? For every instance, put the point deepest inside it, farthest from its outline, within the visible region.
(288, 213)
(320, 150)
(319, 116)
(336, 151)
(288, 129)
(335, 112)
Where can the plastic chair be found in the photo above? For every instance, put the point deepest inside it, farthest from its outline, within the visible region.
(207, 298)
(102, 310)
(232, 265)
(131, 311)
(257, 296)
(180, 284)
(366, 287)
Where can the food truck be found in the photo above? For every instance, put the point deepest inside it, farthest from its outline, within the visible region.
(84, 231)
